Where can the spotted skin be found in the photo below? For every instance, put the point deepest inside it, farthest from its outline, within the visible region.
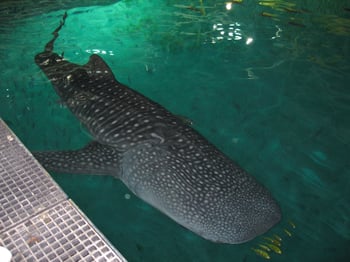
(159, 157)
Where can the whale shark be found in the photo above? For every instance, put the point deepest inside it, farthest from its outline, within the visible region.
(162, 159)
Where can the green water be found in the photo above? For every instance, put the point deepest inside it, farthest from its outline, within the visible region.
(280, 106)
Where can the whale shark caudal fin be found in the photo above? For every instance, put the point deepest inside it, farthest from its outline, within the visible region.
(95, 158)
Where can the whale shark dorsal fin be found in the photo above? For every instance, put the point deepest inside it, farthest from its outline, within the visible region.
(98, 67)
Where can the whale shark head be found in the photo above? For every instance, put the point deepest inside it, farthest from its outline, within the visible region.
(75, 84)
(72, 82)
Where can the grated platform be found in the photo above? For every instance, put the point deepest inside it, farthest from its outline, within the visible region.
(37, 220)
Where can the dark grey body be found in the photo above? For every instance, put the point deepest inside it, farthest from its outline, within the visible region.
(160, 158)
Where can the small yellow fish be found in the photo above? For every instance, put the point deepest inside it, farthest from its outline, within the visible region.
(273, 241)
(202, 9)
(269, 239)
(277, 237)
(185, 120)
(261, 253)
(265, 247)
(292, 10)
(269, 15)
(296, 23)
(265, 3)
(287, 232)
(291, 224)
(274, 248)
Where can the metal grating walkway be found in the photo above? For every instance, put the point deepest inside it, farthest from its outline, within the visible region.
(37, 220)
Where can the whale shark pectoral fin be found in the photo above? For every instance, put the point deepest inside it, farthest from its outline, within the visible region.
(94, 159)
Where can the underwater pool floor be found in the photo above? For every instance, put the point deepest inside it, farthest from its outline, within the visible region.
(38, 222)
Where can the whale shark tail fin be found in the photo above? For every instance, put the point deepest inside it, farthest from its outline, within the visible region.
(49, 46)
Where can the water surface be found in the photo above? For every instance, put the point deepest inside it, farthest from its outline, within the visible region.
(265, 81)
